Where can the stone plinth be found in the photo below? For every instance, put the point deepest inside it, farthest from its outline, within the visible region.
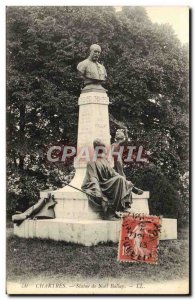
(72, 204)
(85, 232)
(77, 222)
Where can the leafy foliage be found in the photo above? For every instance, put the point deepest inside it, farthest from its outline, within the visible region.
(147, 86)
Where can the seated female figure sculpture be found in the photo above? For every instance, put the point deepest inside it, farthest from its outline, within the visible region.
(107, 189)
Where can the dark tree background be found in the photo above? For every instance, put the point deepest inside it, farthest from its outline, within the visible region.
(147, 85)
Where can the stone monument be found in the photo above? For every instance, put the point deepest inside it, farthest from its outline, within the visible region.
(75, 220)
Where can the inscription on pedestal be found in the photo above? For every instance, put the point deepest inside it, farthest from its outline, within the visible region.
(93, 120)
(93, 98)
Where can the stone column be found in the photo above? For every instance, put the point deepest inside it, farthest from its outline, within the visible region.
(93, 124)
(93, 119)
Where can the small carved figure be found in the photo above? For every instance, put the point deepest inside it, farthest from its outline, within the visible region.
(43, 209)
(121, 138)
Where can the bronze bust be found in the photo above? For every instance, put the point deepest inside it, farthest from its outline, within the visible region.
(91, 70)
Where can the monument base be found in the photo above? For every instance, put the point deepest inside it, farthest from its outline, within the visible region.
(73, 204)
(76, 222)
(85, 232)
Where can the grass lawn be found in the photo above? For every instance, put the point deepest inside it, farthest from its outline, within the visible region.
(35, 259)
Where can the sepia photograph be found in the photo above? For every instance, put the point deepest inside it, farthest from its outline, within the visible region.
(97, 150)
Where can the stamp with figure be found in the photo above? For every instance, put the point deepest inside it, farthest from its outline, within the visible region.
(139, 238)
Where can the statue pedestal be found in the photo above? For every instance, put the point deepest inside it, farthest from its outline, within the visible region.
(85, 232)
(75, 205)
(75, 220)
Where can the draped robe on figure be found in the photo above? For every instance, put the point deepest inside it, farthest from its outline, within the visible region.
(101, 180)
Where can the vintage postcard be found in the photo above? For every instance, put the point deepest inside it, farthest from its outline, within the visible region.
(97, 150)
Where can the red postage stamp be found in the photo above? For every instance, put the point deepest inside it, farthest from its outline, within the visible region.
(139, 238)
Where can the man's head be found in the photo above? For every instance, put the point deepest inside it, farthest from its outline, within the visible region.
(95, 51)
